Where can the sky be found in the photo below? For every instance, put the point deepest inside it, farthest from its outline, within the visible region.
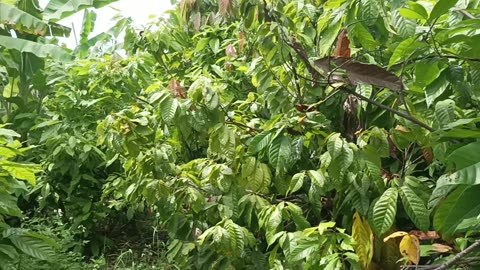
(138, 10)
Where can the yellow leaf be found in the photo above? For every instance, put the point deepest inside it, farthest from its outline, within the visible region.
(363, 236)
(394, 235)
(410, 248)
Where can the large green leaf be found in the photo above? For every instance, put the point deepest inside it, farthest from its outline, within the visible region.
(59, 9)
(35, 247)
(38, 49)
(415, 208)
(24, 22)
(440, 8)
(467, 176)
(462, 204)
(89, 17)
(384, 211)
(464, 156)
(280, 154)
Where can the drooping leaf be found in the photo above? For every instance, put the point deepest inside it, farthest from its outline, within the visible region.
(395, 235)
(259, 142)
(88, 24)
(445, 112)
(436, 89)
(342, 48)
(403, 50)
(59, 9)
(464, 156)
(410, 248)
(32, 246)
(463, 203)
(24, 22)
(280, 154)
(384, 211)
(468, 176)
(38, 49)
(363, 236)
(415, 208)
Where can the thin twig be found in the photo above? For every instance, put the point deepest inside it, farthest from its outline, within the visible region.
(380, 105)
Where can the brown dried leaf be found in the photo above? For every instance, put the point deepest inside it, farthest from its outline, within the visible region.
(440, 248)
(359, 73)
(225, 7)
(427, 154)
(425, 236)
(197, 21)
(176, 88)
(241, 41)
(228, 66)
(230, 51)
(342, 48)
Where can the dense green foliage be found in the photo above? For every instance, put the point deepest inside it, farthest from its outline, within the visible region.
(245, 135)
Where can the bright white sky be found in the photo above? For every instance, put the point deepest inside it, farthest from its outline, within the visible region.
(139, 10)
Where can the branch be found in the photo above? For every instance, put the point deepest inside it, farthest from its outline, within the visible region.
(385, 107)
(459, 256)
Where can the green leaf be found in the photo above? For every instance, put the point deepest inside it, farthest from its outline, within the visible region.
(464, 156)
(426, 72)
(445, 112)
(8, 205)
(416, 11)
(32, 246)
(168, 108)
(415, 208)
(463, 203)
(59, 9)
(369, 10)
(366, 39)
(328, 38)
(88, 25)
(20, 171)
(9, 250)
(384, 211)
(259, 142)
(440, 8)
(8, 132)
(24, 22)
(403, 50)
(436, 89)
(334, 145)
(466, 176)
(317, 178)
(280, 154)
(296, 183)
(38, 49)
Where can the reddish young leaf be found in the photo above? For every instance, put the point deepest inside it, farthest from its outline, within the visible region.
(342, 48)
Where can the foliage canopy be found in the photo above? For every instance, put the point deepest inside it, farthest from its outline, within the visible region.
(273, 134)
